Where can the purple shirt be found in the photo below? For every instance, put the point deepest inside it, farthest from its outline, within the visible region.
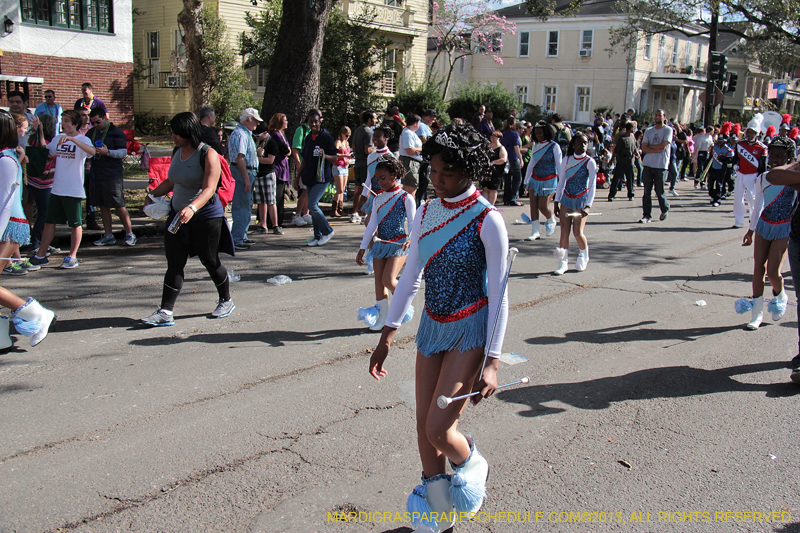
(509, 141)
(281, 163)
(95, 102)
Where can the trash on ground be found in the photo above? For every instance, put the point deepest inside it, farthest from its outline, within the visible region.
(279, 280)
(233, 276)
(700, 303)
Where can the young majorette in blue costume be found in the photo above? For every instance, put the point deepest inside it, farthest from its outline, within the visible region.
(392, 209)
(771, 222)
(576, 186)
(381, 135)
(541, 178)
(459, 244)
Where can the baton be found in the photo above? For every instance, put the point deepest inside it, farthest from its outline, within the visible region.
(512, 253)
(443, 401)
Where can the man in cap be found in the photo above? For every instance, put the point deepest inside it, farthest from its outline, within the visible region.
(752, 159)
(244, 166)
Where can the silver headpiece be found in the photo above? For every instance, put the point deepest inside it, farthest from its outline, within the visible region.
(444, 139)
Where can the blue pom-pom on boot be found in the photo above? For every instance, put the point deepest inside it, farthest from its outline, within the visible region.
(468, 483)
(777, 306)
(743, 305)
(368, 314)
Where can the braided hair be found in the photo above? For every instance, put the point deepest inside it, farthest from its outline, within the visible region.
(391, 165)
(385, 129)
(785, 144)
(461, 147)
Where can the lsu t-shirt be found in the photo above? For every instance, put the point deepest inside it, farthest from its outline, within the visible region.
(68, 177)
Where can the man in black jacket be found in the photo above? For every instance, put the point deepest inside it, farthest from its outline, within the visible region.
(207, 118)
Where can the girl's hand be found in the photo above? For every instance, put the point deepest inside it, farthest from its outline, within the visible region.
(186, 214)
(585, 211)
(405, 246)
(488, 384)
(380, 354)
(360, 257)
(556, 209)
(748, 238)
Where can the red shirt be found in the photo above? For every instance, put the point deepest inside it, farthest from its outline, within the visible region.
(749, 155)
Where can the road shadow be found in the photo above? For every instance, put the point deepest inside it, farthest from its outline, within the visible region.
(723, 276)
(788, 528)
(273, 338)
(648, 384)
(632, 333)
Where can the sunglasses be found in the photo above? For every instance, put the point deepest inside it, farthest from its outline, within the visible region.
(97, 122)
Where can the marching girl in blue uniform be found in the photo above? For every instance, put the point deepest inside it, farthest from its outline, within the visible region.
(577, 180)
(771, 222)
(391, 211)
(541, 178)
(459, 245)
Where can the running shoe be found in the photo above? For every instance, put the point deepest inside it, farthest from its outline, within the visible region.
(160, 318)
(277, 230)
(307, 218)
(241, 246)
(299, 221)
(105, 240)
(130, 239)
(673, 192)
(248, 241)
(663, 216)
(313, 243)
(14, 269)
(795, 375)
(39, 261)
(224, 308)
(30, 267)
(69, 262)
(259, 231)
(325, 238)
(645, 220)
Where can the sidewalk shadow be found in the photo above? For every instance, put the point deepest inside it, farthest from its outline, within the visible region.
(274, 338)
(627, 333)
(648, 384)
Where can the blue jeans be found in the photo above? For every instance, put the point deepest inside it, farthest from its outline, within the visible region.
(40, 198)
(241, 207)
(511, 184)
(654, 177)
(639, 169)
(672, 175)
(321, 226)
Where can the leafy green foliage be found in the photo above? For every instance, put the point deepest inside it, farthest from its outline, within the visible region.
(420, 98)
(533, 113)
(495, 97)
(259, 44)
(150, 124)
(603, 109)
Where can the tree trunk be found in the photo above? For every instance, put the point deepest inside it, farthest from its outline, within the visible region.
(293, 79)
(189, 21)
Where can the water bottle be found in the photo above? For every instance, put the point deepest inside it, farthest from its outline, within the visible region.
(175, 225)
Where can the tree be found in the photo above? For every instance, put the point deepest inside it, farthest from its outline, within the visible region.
(771, 28)
(463, 28)
(293, 79)
(495, 97)
(189, 21)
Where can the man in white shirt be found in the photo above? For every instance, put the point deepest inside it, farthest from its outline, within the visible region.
(410, 150)
(702, 144)
(64, 207)
(655, 147)
(50, 107)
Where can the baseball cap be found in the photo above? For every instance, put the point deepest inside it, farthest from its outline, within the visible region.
(250, 113)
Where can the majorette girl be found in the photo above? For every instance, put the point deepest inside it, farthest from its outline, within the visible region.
(771, 222)
(542, 177)
(576, 186)
(391, 211)
(459, 244)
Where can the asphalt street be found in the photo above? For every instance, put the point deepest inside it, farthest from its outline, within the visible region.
(646, 412)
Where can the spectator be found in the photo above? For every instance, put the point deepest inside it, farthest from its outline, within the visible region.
(302, 217)
(490, 184)
(107, 182)
(50, 107)
(477, 118)
(362, 147)
(64, 207)
(702, 146)
(88, 182)
(242, 155)
(319, 154)
(340, 171)
(625, 151)
(424, 133)
(39, 186)
(511, 143)
(264, 185)
(18, 103)
(393, 121)
(410, 150)
(486, 127)
(561, 134)
(202, 229)
(89, 100)
(207, 118)
(277, 127)
(656, 149)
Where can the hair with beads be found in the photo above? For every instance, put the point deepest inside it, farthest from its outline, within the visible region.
(390, 165)
(462, 148)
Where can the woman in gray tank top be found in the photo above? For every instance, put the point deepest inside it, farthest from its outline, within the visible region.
(196, 221)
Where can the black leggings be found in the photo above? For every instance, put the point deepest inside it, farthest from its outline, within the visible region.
(203, 240)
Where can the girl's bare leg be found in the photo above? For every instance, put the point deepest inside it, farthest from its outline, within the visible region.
(391, 270)
(577, 229)
(545, 205)
(760, 256)
(379, 265)
(775, 257)
(565, 227)
(534, 201)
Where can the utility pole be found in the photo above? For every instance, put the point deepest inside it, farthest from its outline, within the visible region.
(708, 114)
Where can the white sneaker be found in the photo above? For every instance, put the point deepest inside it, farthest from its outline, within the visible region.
(673, 192)
(223, 309)
(160, 318)
(130, 239)
(355, 218)
(299, 221)
(105, 240)
(325, 238)
(313, 243)
(69, 262)
(308, 219)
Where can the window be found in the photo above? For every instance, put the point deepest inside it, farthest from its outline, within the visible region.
(79, 15)
(394, 3)
(549, 100)
(524, 43)
(662, 53)
(389, 64)
(587, 41)
(687, 54)
(492, 43)
(522, 93)
(261, 77)
(584, 97)
(648, 46)
(671, 94)
(552, 44)
(153, 55)
(675, 43)
(699, 56)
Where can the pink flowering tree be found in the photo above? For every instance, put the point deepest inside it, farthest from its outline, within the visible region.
(464, 28)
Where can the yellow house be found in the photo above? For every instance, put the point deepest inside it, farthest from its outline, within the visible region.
(157, 43)
(562, 65)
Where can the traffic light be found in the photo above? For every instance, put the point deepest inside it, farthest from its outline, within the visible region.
(718, 69)
(732, 82)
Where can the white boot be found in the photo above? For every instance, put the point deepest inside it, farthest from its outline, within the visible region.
(441, 502)
(534, 232)
(550, 226)
(777, 306)
(30, 313)
(562, 254)
(383, 310)
(583, 260)
(468, 483)
(5, 338)
(758, 313)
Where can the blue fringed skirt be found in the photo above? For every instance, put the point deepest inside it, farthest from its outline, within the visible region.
(465, 334)
(382, 250)
(773, 232)
(18, 232)
(573, 204)
(542, 188)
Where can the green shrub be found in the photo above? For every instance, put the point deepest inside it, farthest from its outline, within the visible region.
(467, 98)
(411, 99)
(149, 124)
(603, 109)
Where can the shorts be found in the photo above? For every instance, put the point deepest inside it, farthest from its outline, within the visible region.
(108, 193)
(411, 177)
(492, 183)
(64, 210)
(339, 171)
(264, 189)
(361, 175)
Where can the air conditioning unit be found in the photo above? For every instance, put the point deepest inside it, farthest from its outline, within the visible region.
(173, 81)
(585, 53)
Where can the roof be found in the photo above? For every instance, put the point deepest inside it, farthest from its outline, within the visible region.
(588, 8)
